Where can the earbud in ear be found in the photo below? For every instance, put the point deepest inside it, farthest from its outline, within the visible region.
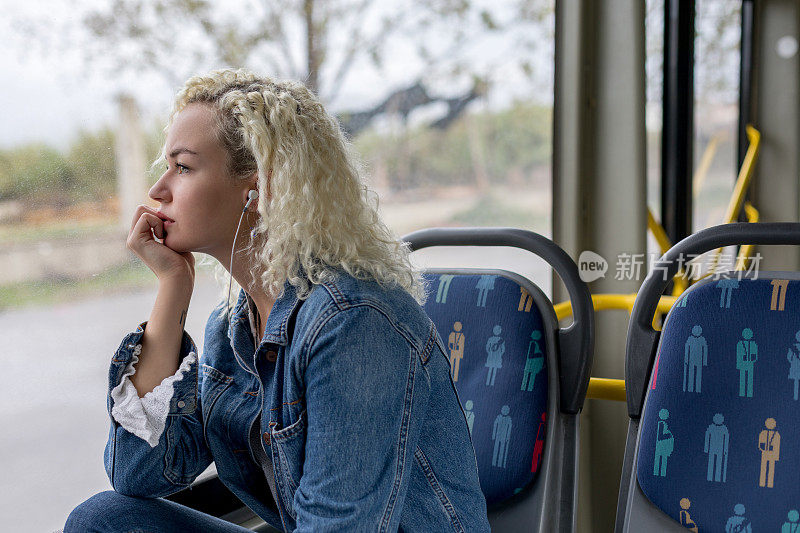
(252, 194)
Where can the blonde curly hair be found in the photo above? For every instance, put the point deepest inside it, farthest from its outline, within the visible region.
(320, 215)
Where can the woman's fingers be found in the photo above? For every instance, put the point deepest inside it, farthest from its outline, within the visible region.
(147, 226)
(140, 210)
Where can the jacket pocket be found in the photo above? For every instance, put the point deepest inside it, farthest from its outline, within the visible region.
(288, 454)
(214, 384)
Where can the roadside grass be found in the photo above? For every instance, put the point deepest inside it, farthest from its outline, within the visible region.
(493, 211)
(22, 233)
(131, 275)
(490, 210)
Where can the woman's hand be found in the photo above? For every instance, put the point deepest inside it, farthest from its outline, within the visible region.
(166, 264)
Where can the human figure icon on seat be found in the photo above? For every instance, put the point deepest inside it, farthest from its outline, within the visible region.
(779, 288)
(525, 300)
(791, 525)
(443, 288)
(727, 285)
(501, 435)
(538, 447)
(695, 357)
(455, 342)
(685, 519)
(738, 523)
(769, 442)
(746, 357)
(495, 348)
(665, 444)
(484, 285)
(716, 446)
(470, 414)
(793, 356)
(534, 361)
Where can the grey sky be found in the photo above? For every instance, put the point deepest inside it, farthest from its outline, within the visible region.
(49, 98)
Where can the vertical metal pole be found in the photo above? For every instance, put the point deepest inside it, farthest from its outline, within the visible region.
(677, 137)
(745, 79)
(776, 113)
(599, 204)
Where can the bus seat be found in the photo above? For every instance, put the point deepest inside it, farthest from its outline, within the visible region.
(716, 445)
(520, 384)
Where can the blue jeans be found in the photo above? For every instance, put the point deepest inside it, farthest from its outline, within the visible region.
(112, 512)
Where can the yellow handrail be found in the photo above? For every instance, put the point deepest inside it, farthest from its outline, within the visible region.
(705, 162)
(679, 282)
(746, 251)
(742, 183)
(746, 172)
(606, 389)
(658, 232)
(602, 302)
(614, 389)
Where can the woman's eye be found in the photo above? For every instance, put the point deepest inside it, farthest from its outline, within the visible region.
(181, 169)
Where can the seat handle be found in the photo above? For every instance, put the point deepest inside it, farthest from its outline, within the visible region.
(575, 342)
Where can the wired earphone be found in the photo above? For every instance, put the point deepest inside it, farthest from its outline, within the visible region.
(251, 195)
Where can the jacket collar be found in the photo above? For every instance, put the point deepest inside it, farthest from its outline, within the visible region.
(276, 328)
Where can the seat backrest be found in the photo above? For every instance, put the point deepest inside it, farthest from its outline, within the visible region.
(501, 352)
(711, 440)
(720, 439)
(520, 378)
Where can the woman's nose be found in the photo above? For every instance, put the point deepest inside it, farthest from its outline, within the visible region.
(159, 191)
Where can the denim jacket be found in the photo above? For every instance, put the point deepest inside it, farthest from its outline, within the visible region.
(358, 413)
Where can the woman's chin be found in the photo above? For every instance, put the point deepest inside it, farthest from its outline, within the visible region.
(176, 246)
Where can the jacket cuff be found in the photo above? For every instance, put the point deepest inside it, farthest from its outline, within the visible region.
(146, 417)
(185, 390)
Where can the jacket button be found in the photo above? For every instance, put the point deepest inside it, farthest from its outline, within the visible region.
(181, 403)
(266, 438)
(272, 356)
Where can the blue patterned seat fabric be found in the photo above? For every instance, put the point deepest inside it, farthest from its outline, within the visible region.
(493, 333)
(719, 444)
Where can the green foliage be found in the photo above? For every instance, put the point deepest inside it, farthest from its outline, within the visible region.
(508, 143)
(492, 210)
(93, 161)
(518, 138)
(40, 175)
(36, 172)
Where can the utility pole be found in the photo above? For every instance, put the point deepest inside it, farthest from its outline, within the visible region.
(130, 152)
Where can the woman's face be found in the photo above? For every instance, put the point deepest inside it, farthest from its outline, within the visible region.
(197, 192)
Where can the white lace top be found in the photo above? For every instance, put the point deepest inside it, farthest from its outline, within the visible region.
(146, 417)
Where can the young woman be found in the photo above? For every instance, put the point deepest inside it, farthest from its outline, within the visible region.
(324, 394)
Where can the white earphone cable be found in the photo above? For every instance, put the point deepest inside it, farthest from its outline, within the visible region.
(252, 195)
